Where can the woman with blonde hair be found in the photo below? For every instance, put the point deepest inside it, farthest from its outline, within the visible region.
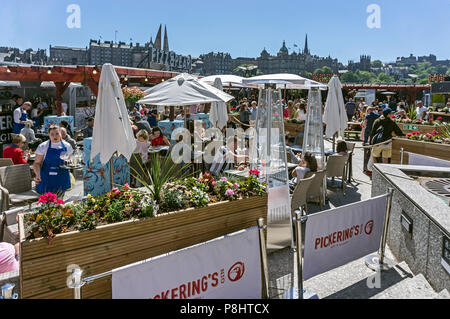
(15, 151)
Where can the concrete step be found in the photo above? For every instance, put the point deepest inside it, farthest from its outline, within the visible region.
(416, 287)
(444, 294)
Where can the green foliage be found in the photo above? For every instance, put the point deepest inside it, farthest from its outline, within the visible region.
(114, 213)
(438, 98)
(412, 114)
(324, 70)
(377, 64)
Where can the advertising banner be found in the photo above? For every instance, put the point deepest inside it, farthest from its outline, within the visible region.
(338, 236)
(225, 268)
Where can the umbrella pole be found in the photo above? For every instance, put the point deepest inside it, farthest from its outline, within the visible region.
(111, 170)
(334, 142)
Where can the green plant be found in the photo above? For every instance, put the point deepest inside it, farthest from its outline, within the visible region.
(160, 173)
(114, 213)
(174, 199)
(412, 114)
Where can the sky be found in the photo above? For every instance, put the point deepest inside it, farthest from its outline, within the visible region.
(242, 28)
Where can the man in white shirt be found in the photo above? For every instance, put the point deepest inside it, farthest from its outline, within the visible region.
(421, 111)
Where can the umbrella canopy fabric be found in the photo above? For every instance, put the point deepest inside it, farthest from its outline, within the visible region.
(285, 80)
(182, 90)
(10, 84)
(112, 128)
(233, 81)
(219, 114)
(335, 116)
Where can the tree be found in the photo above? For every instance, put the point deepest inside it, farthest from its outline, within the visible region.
(324, 70)
(377, 64)
(349, 77)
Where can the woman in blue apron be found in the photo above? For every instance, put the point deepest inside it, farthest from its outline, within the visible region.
(50, 178)
(23, 117)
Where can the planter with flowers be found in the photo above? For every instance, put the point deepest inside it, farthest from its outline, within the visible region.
(132, 95)
(408, 126)
(128, 225)
(434, 144)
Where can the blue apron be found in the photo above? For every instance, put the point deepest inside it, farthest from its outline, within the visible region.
(53, 178)
(17, 126)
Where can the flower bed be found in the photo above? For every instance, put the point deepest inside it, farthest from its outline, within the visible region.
(126, 226)
(132, 95)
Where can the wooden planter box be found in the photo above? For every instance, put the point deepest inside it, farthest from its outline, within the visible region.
(424, 129)
(294, 129)
(441, 151)
(43, 267)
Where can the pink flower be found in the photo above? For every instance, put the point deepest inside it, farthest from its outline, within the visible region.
(60, 202)
(236, 185)
(126, 187)
(439, 118)
(229, 192)
(254, 172)
(223, 179)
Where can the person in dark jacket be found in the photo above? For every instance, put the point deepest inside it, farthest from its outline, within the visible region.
(370, 118)
(384, 129)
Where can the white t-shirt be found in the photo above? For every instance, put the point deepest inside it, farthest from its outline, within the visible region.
(301, 172)
(42, 148)
(421, 112)
(301, 115)
(18, 114)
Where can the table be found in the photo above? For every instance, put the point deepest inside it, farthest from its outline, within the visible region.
(245, 173)
(157, 149)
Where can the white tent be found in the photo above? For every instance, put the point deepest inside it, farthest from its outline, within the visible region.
(182, 90)
(228, 81)
(219, 114)
(285, 81)
(112, 128)
(335, 116)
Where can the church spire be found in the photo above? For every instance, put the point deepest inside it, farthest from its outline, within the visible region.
(166, 39)
(158, 38)
(306, 50)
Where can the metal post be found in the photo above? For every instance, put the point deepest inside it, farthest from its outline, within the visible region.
(386, 224)
(262, 245)
(402, 152)
(379, 262)
(299, 241)
(77, 284)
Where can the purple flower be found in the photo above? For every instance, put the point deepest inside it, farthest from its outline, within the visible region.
(229, 192)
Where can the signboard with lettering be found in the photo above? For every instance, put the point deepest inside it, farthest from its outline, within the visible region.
(411, 127)
(170, 59)
(6, 128)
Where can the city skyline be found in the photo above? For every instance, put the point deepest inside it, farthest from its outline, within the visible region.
(244, 33)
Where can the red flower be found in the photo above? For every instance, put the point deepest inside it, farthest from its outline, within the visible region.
(439, 118)
(254, 172)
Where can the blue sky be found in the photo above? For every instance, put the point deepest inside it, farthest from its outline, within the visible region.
(242, 28)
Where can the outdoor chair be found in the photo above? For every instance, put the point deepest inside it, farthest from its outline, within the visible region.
(315, 191)
(6, 162)
(16, 186)
(299, 197)
(337, 167)
(9, 229)
(350, 150)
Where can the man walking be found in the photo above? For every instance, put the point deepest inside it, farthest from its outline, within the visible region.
(350, 107)
(383, 130)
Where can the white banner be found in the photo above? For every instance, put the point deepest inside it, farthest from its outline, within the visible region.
(338, 236)
(225, 268)
(422, 160)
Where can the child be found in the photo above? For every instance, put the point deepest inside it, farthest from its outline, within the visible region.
(143, 143)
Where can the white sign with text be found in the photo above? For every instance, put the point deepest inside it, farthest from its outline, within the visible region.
(225, 268)
(338, 236)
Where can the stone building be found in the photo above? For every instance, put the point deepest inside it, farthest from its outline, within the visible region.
(60, 55)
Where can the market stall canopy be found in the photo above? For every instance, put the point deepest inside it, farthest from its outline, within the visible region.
(285, 81)
(112, 128)
(218, 115)
(182, 90)
(229, 81)
(15, 84)
(335, 116)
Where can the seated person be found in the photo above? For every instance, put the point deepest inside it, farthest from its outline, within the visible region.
(142, 124)
(66, 125)
(9, 255)
(294, 158)
(88, 131)
(15, 151)
(28, 132)
(66, 137)
(341, 148)
(158, 139)
(308, 164)
(226, 157)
